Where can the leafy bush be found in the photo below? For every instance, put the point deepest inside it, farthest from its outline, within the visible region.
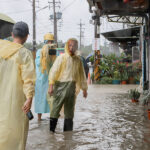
(137, 78)
(116, 75)
(145, 98)
(106, 80)
(134, 94)
(124, 76)
(91, 59)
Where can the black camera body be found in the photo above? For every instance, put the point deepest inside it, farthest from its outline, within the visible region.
(52, 52)
(30, 115)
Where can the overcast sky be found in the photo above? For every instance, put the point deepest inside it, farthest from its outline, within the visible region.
(72, 12)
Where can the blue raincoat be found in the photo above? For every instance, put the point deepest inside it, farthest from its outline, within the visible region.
(41, 88)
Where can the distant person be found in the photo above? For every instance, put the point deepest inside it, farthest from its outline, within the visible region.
(85, 65)
(66, 78)
(17, 77)
(45, 58)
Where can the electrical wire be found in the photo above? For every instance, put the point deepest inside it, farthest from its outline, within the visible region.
(69, 5)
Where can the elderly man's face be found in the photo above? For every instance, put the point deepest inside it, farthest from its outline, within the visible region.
(72, 45)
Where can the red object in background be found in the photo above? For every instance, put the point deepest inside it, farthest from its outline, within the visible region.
(124, 82)
(134, 101)
(89, 78)
(126, 1)
(148, 111)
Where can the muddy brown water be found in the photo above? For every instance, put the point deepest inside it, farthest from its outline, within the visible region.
(106, 120)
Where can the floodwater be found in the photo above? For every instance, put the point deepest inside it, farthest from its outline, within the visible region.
(106, 120)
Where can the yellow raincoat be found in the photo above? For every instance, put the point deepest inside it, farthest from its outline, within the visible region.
(44, 62)
(17, 77)
(68, 68)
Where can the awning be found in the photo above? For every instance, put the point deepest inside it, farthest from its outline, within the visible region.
(6, 24)
(124, 35)
(6, 18)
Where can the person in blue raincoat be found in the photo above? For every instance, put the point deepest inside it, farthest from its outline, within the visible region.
(45, 58)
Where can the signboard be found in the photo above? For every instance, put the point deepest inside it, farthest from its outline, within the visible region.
(96, 44)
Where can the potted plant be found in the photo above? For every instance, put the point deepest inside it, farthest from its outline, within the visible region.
(145, 99)
(116, 78)
(148, 112)
(124, 77)
(131, 73)
(134, 95)
(137, 79)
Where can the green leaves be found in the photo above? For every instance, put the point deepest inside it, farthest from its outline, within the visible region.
(106, 80)
(134, 94)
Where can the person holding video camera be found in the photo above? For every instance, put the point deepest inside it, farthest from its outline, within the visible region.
(45, 58)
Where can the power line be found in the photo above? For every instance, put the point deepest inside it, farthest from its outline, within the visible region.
(69, 5)
(41, 24)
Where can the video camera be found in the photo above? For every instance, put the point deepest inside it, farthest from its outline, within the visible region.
(52, 50)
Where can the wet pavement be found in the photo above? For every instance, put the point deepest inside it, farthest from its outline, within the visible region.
(106, 120)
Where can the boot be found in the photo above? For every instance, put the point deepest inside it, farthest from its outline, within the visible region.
(68, 125)
(53, 123)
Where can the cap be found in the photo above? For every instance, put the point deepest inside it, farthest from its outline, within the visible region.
(49, 37)
(20, 29)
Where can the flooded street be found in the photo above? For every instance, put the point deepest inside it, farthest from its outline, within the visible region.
(106, 120)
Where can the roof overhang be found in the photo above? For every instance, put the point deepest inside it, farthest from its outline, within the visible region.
(6, 18)
(124, 35)
(118, 7)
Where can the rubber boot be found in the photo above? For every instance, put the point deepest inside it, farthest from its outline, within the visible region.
(53, 123)
(68, 125)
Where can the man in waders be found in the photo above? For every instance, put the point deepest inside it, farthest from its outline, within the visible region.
(66, 78)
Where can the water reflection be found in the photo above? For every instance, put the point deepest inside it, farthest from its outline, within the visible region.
(107, 120)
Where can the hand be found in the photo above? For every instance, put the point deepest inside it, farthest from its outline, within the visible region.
(85, 94)
(50, 90)
(27, 105)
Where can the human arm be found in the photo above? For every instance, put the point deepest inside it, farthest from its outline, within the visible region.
(27, 70)
(83, 81)
(50, 90)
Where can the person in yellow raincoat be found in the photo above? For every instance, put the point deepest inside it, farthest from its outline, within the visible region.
(45, 58)
(17, 77)
(66, 78)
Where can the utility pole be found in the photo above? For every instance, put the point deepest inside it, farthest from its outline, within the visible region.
(81, 32)
(34, 26)
(55, 22)
(55, 17)
(97, 50)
